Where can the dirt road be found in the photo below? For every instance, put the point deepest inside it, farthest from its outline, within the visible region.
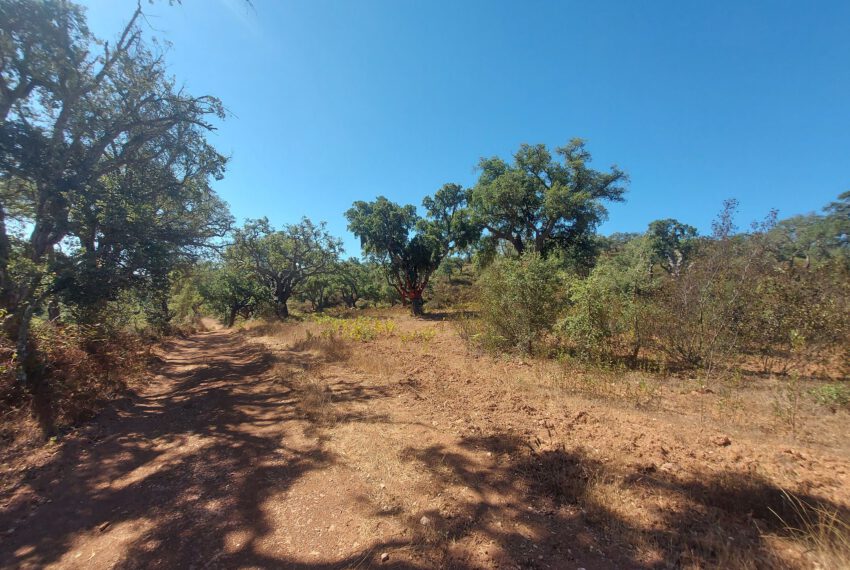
(218, 464)
(285, 448)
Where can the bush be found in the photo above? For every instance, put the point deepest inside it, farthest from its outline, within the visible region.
(451, 287)
(78, 369)
(520, 299)
(611, 311)
(796, 316)
(833, 396)
(704, 307)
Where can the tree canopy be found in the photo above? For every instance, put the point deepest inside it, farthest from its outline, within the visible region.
(671, 243)
(540, 203)
(817, 238)
(104, 164)
(283, 260)
(408, 246)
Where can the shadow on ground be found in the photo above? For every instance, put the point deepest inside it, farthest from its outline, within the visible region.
(177, 471)
(562, 504)
(183, 470)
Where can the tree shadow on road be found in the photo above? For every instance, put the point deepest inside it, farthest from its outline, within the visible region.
(183, 477)
(559, 508)
(177, 474)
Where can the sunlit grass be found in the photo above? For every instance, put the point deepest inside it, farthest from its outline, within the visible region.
(362, 329)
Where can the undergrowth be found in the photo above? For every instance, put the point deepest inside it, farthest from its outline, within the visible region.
(360, 328)
(79, 370)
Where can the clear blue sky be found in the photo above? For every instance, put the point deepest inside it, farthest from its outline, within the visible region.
(335, 101)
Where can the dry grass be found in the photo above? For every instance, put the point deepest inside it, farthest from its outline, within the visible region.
(315, 399)
(304, 356)
(825, 531)
(79, 371)
(330, 347)
(637, 389)
(272, 328)
(376, 365)
(787, 405)
(469, 329)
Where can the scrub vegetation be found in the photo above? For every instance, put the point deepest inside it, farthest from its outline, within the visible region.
(491, 383)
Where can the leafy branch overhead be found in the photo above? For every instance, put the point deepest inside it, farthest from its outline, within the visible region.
(104, 163)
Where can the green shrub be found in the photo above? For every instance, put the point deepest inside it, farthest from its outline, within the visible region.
(520, 299)
(833, 396)
(704, 307)
(795, 316)
(611, 310)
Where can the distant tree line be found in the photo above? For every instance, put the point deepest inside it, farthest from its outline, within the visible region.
(536, 204)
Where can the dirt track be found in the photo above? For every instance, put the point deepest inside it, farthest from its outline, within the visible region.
(250, 454)
(215, 466)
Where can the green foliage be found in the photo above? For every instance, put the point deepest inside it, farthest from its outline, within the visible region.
(611, 310)
(539, 203)
(358, 280)
(319, 290)
(105, 170)
(408, 247)
(448, 222)
(384, 227)
(702, 307)
(350, 283)
(361, 329)
(520, 299)
(283, 260)
(816, 239)
(418, 337)
(834, 396)
(186, 298)
(452, 284)
(707, 302)
(671, 243)
(229, 292)
(794, 316)
(612, 244)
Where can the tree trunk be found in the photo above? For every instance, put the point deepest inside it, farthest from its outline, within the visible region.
(22, 352)
(231, 318)
(40, 390)
(518, 245)
(5, 250)
(282, 293)
(42, 406)
(416, 306)
(281, 309)
(633, 357)
(53, 312)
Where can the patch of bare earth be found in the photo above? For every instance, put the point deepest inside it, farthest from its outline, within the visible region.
(278, 447)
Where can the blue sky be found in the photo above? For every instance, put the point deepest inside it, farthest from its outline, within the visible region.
(335, 101)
